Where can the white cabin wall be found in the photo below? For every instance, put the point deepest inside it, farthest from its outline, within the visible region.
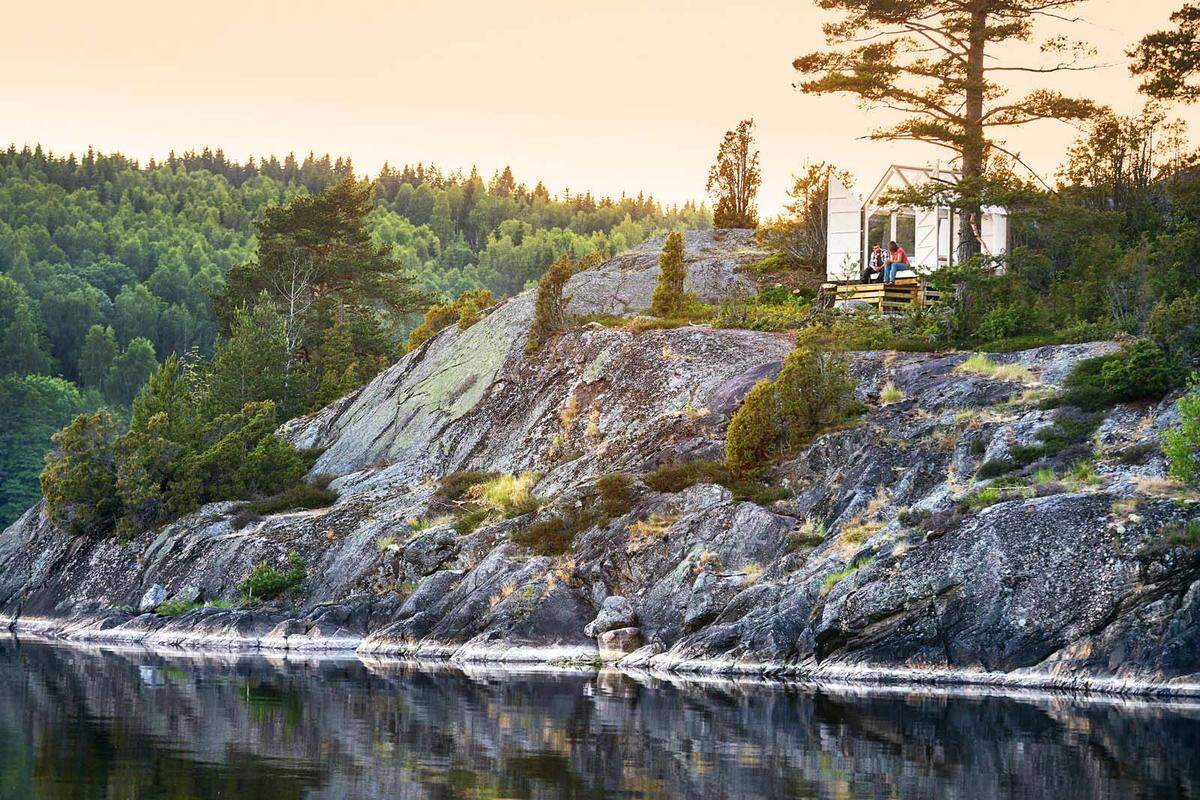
(843, 255)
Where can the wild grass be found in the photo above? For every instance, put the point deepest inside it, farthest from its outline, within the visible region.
(506, 495)
(980, 364)
(977, 501)
(834, 578)
(889, 394)
(810, 534)
(654, 527)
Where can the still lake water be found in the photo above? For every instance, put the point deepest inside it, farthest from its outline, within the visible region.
(123, 724)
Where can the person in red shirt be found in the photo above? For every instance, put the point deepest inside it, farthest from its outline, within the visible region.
(897, 260)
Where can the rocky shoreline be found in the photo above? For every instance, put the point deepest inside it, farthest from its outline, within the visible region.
(961, 532)
(84, 633)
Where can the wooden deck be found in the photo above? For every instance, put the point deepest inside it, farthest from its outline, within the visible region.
(904, 295)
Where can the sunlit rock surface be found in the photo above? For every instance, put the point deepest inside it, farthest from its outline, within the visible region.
(869, 568)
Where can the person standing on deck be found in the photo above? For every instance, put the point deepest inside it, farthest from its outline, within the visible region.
(877, 263)
(897, 260)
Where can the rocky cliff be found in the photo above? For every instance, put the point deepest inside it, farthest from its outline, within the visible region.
(888, 556)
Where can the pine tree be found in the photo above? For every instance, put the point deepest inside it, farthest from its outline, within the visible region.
(669, 299)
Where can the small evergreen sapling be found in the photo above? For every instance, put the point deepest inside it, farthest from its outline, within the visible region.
(669, 299)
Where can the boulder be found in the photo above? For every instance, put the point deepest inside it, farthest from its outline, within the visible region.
(616, 612)
(618, 643)
(153, 597)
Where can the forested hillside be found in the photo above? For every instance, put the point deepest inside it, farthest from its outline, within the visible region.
(108, 266)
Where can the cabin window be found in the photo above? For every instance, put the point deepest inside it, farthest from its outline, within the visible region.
(879, 230)
(906, 231)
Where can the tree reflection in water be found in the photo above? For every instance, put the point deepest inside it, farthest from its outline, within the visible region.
(97, 723)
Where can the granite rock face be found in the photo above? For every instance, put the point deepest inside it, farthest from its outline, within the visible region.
(881, 560)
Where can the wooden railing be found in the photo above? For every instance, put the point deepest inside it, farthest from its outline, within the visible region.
(903, 295)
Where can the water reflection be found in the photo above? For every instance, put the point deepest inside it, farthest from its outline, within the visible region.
(91, 723)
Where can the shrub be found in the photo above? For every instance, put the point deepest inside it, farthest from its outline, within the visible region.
(977, 501)
(678, 475)
(80, 478)
(467, 522)
(554, 535)
(455, 485)
(549, 310)
(1083, 472)
(437, 317)
(265, 582)
(754, 429)
(669, 298)
(1182, 534)
(764, 313)
(1008, 320)
(1141, 372)
(175, 608)
(616, 494)
(466, 311)
(1175, 328)
(1181, 444)
(1138, 372)
(302, 496)
(471, 306)
(813, 391)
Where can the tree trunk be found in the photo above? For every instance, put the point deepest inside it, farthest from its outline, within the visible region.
(970, 217)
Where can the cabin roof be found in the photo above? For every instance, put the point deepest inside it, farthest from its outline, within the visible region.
(904, 176)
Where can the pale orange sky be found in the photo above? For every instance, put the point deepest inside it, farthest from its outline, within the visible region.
(606, 95)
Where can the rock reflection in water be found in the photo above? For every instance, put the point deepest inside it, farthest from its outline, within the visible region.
(92, 723)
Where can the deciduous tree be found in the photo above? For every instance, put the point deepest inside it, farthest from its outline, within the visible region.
(734, 178)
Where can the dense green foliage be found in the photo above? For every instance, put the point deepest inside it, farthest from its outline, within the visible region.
(34, 407)
(107, 267)
(1182, 445)
(176, 455)
(466, 310)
